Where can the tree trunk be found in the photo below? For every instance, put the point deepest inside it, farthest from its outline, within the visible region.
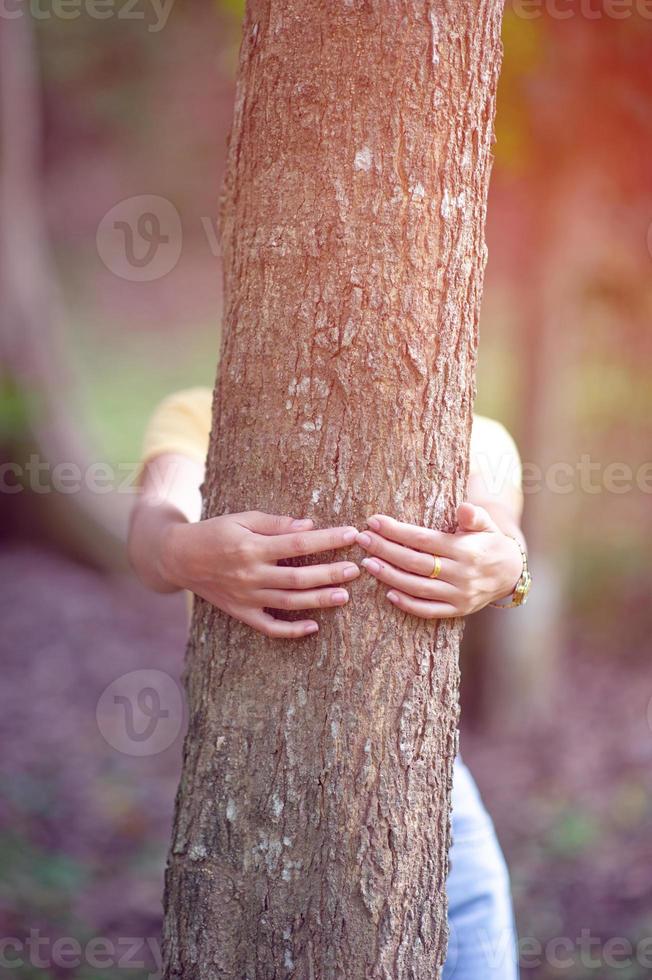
(312, 825)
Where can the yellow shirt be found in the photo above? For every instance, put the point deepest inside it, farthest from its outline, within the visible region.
(181, 423)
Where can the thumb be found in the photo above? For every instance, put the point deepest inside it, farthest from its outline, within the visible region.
(473, 518)
(262, 523)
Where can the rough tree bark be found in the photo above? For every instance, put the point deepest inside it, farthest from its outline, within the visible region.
(312, 823)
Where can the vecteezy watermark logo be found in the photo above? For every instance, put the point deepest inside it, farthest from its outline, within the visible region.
(588, 9)
(141, 713)
(152, 13)
(61, 954)
(140, 238)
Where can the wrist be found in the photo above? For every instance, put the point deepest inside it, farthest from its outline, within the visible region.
(519, 592)
(513, 566)
(150, 550)
(168, 558)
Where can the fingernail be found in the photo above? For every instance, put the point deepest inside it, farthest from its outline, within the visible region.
(349, 536)
(301, 525)
(351, 571)
(340, 596)
(311, 628)
(392, 597)
(364, 540)
(373, 523)
(371, 565)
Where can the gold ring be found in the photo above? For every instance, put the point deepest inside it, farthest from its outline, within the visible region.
(437, 569)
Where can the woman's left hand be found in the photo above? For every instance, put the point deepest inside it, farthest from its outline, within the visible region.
(479, 563)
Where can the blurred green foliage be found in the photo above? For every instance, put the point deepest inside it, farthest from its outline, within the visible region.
(525, 46)
(38, 883)
(235, 7)
(120, 384)
(15, 411)
(575, 831)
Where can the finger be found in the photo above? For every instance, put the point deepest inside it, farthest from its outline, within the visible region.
(279, 629)
(418, 562)
(310, 576)
(414, 585)
(420, 538)
(260, 523)
(421, 607)
(308, 542)
(470, 517)
(312, 599)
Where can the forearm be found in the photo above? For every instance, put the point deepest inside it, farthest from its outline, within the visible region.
(149, 531)
(169, 496)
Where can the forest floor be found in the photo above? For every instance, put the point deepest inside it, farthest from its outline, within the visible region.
(86, 808)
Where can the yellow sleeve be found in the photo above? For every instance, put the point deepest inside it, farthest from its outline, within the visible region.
(181, 423)
(495, 457)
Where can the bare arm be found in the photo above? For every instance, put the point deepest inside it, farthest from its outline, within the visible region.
(170, 495)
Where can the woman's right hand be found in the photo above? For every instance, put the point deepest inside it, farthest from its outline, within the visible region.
(231, 561)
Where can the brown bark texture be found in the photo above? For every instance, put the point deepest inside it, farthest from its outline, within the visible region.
(312, 824)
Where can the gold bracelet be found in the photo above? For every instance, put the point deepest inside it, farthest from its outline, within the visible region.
(522, 588)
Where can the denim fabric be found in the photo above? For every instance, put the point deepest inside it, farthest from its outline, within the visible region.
(482, 944)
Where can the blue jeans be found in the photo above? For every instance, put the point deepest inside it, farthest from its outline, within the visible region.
(482, 944)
